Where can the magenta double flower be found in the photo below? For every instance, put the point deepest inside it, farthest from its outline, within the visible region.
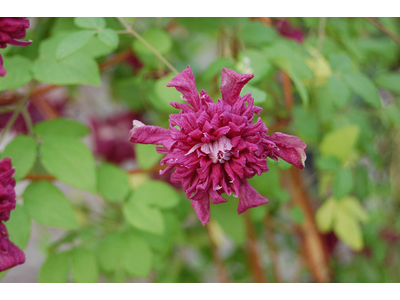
(216, 147)
(10, 254)
(12, 29)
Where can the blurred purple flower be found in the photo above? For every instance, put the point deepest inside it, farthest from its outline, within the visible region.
(109, 137)
(10, 255)
(12, 29)
(215, 147)
(285, 29)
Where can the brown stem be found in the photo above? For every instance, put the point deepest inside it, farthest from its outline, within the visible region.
(312, 241)
(287, 91)
(384, 29)
(273, 249)
(44, 107)
(253, 251)
(218, 261)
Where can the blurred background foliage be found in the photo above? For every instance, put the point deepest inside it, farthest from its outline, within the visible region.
(92, 206)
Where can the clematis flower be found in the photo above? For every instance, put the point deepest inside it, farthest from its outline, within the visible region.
(216, 147)
(12, 29)
(10, 254)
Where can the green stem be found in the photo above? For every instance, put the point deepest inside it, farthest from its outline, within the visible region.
(151, 48)
(16, 113)
(27, 119)
(321, 33)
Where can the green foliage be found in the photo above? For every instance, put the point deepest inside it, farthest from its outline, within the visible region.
(112, 183)
(364, 87)
(143, 216)
(18, 72)
(147, 156)
(90, 23)
(342, 183)
(109, 37)
(70, 161)
(22, 151)
(157, 38)
(61, 126)
(156, 193)
(47, 205)
(55, 269)
(72, 43)
(84, 266)
(19, 226)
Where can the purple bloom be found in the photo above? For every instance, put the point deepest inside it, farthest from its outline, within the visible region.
(215, 147)
(12, 29)
(10, 255)
(285, 29)
(109, 137)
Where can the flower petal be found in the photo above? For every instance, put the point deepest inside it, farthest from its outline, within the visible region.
(202, 209)
(148, 134)
(290, 148)
(232, 84)
(185, 83)
(10, 254)
(249, 197)
(3, 71)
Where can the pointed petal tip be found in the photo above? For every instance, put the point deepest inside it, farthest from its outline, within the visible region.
(249, 198)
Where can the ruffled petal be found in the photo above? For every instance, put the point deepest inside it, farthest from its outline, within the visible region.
(148, 134)
(290, 148)
(232, 84)
(3, 71)
(20, 43)
(185, 83)
(10, 254)
(202, 209)
(249, 197)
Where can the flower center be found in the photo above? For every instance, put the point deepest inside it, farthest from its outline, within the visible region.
(219, 150)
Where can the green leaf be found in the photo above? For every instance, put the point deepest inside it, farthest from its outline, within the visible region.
(110, 252)
(61, 126)
(353, 207)
(90, 23)
(364, 87)
(159, 39)
(300, 88)
(233, 225)
(157, 193)
(70, 161)
(55, 269)
(73, 42)
(390, 81)
(342, 183)
(143, 217)
(18, 72)
(23, 151)
(109, 37)
(137, 256)
(84, 266)
(216, 66)
(340, 142)
(348, 230)
(258, 95)
(328, 163)
(325, 215)
(340, 62)
(75, 69)
(47, 205)
(147, 156)
(256, 34)
(112, 183)
(297, 215)
(19, 226)
(340, 92)
(165, 95)
(254, 62)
